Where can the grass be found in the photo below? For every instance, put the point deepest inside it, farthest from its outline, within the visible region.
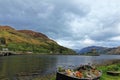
(104, 76)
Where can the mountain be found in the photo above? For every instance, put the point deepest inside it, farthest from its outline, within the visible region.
(77, 50)
(88, 49)
(114, 51)
(29, 41)
(93, 50)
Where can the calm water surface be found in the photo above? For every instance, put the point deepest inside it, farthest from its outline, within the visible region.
(13, 67)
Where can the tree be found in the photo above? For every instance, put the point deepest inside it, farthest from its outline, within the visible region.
(2, 41)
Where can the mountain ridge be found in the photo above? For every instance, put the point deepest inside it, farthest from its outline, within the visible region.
(6, 28)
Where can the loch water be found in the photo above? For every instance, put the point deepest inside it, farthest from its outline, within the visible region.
(30, 66)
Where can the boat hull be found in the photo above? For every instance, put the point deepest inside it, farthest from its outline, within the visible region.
(60, 76)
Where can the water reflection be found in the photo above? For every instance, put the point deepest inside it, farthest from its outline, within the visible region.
(32, 65)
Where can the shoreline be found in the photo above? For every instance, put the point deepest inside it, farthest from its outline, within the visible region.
(9, 53)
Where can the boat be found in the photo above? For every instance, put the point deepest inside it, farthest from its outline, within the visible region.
(73, 75)
(113, 73)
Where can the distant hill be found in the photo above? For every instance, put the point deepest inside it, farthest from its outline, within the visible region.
(29, 41)
(77, 50)
(88, 49)
(99, 50)
(114, 51)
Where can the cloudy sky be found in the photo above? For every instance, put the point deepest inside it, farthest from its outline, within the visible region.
(72, 23)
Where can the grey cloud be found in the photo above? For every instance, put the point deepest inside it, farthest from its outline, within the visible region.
(109, 29)
(52, 16)
(24, 14)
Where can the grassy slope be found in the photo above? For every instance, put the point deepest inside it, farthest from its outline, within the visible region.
(18, 41)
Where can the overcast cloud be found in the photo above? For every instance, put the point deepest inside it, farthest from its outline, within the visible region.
(72, 23)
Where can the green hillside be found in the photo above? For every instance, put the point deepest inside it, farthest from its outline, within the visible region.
(24, 41)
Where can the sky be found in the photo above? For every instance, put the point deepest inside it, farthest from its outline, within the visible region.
(71, 23)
